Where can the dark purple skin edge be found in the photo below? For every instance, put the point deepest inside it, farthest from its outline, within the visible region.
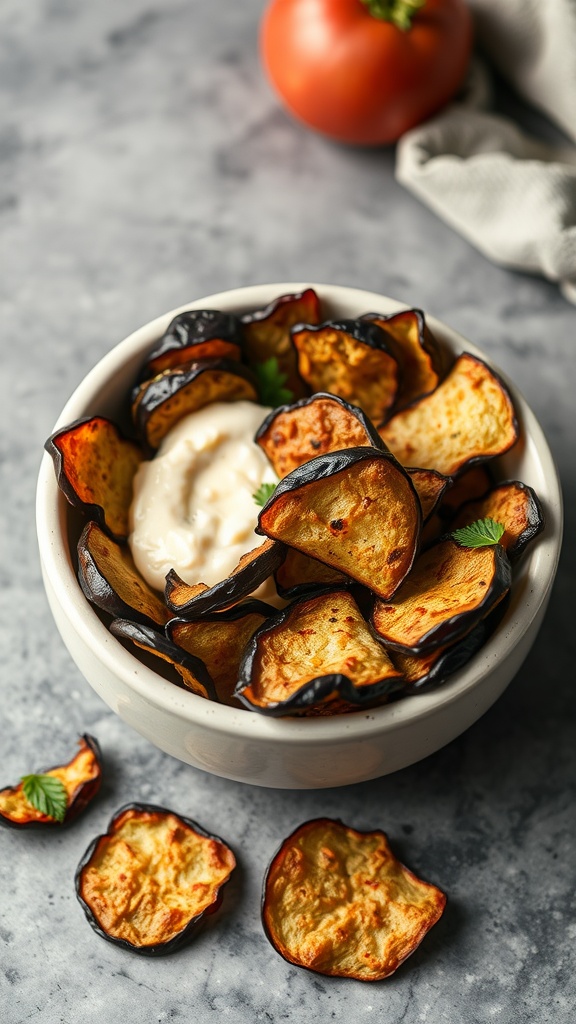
(316, 689)
(83, 796)
(367, 425)
(534, 514)
(283, 300)
(224, 326)
(233, 588)
(250, 606)
(364, 331)
(124, 629)
(456, 626)
(187, 933)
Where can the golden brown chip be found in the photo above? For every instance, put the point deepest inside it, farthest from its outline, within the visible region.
(416, 351)
(430, 487)
(515, 506)
(267, 333)
(147, 883)
(195, 335)
(110, 579)
(95, 466)
(469, 417)
(317, 650)
(193, 600)
(193, 673)
(338, 902)
(294, 434)
(355, 510)
(449, 590)
(300, 574)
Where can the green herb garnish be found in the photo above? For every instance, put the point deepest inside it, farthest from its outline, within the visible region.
(264, 492)
(479, 534)
(47, 794)
(271, 382)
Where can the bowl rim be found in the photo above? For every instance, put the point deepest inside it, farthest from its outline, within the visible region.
(57, 565)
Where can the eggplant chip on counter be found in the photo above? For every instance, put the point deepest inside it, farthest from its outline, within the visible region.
(195, 335)
(294, 434)
(356, 510)
(316, 650)
(468, 418)
(95, 466)
(193, 600)
(81, 778)
(339, 902)
(193, 673)
(416, 351)
(511, 503)
(149, 882)
(267, 333)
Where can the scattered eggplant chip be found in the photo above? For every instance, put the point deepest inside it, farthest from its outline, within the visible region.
(355, 510)
(161, 402)
(339, 902)
(267, 333)
(472, 483)
(449, 590)
(294, 434)
(194, 335)
(149, 882)
(430, 487)
(468, 418)
(316, 650)
(192, 671)
(416, 351)
(219, 641)
(81, 778)
(95, 466)
(511, 503)
(110, 579)
(193, 600)
(300, 574)
(349, 358)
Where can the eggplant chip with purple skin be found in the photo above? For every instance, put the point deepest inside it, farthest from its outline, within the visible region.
(193, 600)
(317, 650)
(267, 333)
(416, 351)
(300, 574)
(294, 434)
(471, 484)
(195, 335)
(81, 778)
(430, 487)
(95, 466)
(148, 883)
(511, 503)
(194, 675)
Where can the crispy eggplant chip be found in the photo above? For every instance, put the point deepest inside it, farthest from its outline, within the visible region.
(148, 883)
(339, 902)
(511, 503)
(110, 579)
(316, 650)
(294, 434)
(468, 418)
(267, 333)
(300, 574)
(193, 673)
(416, 351)
(95, 466)
(164, 400)
(193, 600)
(349, 358)
(355, 510)
(219, 641)
(81, 777)
(472, 483)
(430, 487)
(195, 335)
(449, 590)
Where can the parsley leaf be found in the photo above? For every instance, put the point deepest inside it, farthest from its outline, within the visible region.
(264, 492)
(479, 534)
(47, 794)
(271, 382)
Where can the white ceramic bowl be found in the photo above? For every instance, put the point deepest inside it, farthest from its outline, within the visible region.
(290, 753)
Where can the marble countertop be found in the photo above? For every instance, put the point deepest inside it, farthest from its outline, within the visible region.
(145, 163)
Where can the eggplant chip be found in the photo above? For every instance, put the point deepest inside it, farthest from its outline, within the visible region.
(300, 574)
(267, 333)
(472, 483)
(338, 902)
(449, 590)
(416, 351)
(511, 503)
(316, 650)
(95, 466)
(355, 510)
(161, 402)
(430, 487)
(219, 641)
(349, 358)
(195, 335)
(193, 600)
(294, 434)
(81, 778)
(193, 673)
(110, 579)
(149, 882)
(468, 418)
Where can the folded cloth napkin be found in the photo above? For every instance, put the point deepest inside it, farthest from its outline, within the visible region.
(512, 196)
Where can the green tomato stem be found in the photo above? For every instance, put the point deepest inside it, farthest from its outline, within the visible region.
(399, 12)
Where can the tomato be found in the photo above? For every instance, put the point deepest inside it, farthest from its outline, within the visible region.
(358, 78)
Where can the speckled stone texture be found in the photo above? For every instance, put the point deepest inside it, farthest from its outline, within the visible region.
(145, 163)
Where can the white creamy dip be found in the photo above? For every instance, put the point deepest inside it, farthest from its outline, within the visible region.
(192, 508)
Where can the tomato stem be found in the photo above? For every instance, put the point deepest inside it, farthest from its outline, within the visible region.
(399, 12)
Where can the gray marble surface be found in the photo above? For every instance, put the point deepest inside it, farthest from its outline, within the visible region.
(145, 163)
